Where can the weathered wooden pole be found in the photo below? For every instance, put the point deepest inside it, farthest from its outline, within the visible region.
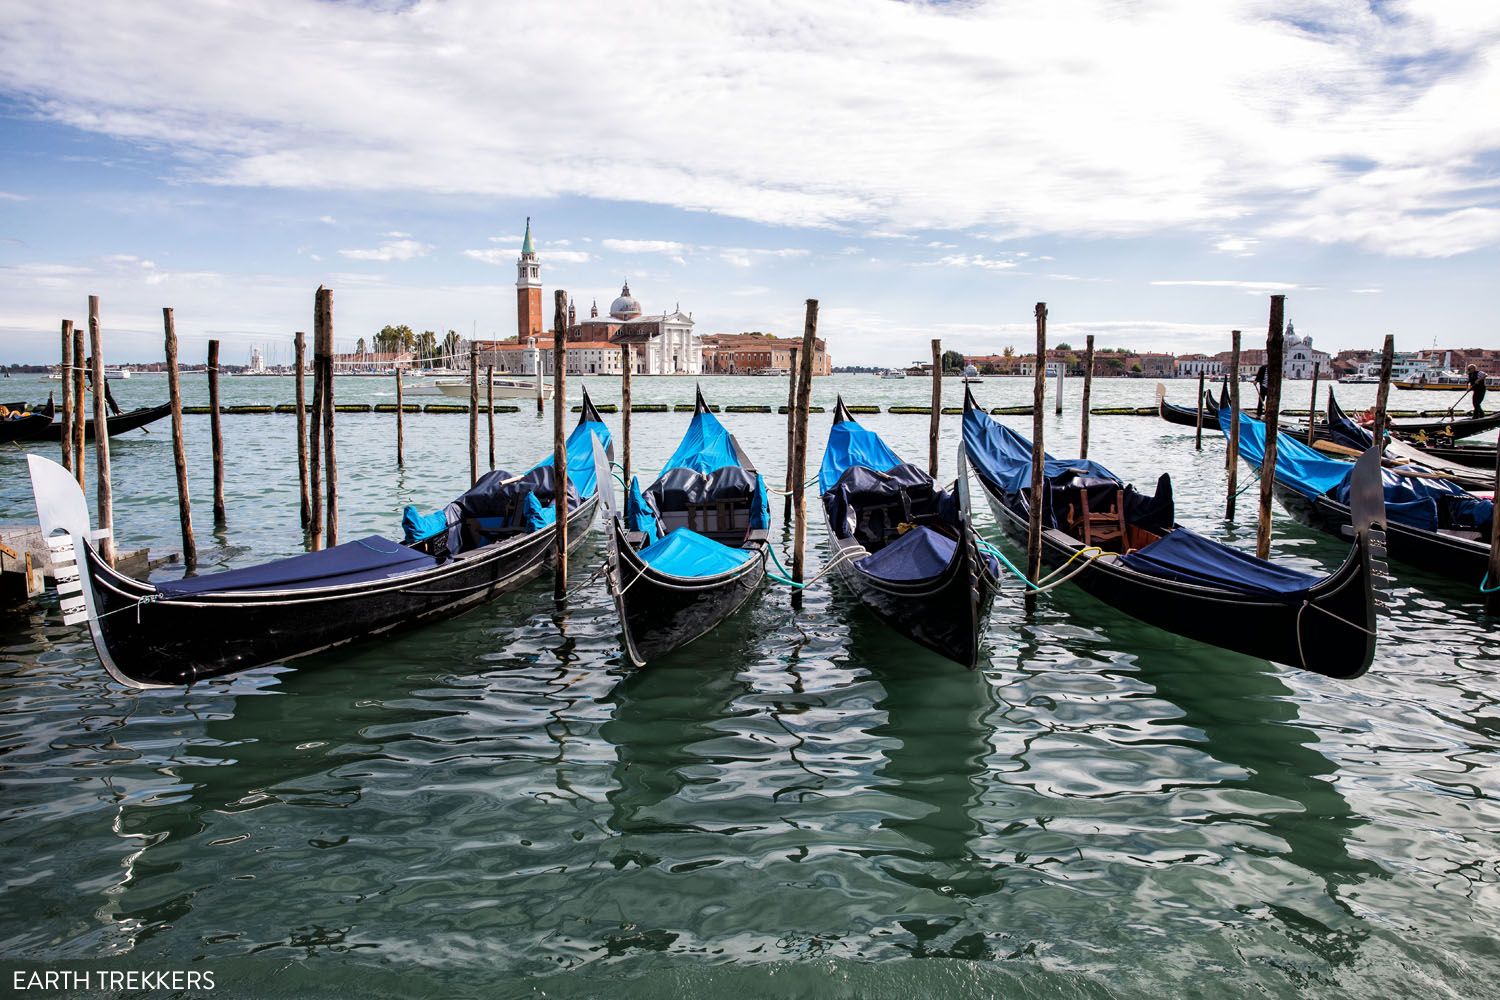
(66, 371)
(1383, 393)
(626, 363)
(1274, 335)
(559, 437)
(79, 418)
(1038, 454)
(299, 345)
(1198, 442)
(179, 454)
(1232, 453)
(934, 423)
(1492, 572)
(539, 391)
(1312, 407)
(400, 424)
(102, 486)
(323, 318)
(1062, 370)
(791, 436)
(216, 431)
(315, 444)
(799, 466)
(473, 414)
(1088, 389)
(489, 405)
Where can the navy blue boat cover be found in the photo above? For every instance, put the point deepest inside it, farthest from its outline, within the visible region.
(1429, 504)
(361, 561)
(1345, 431)
(916, 555)
(1183, 556)
(850, 445)
(1003, 457)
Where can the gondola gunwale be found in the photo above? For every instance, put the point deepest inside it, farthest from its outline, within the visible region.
(966, 575)
(1101, 578)
(738, 585)
(1185, 416)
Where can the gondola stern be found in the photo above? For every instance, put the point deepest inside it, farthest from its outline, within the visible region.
(841, 412)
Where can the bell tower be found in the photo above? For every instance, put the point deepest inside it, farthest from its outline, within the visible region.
(528, 290)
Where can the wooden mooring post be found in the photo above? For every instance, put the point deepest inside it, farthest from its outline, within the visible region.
(473, 414)
(1232, 453)
(179, 453)
(401, 430)
(299, 345)
(1038, 454)
(315, 445)
(1088, 390)
(1062, 371)
(1492, 572)
(934, 423)
(66, 371)
(627, 362)
(216, 432)
(1274, 344)
(559, 438)
(1312, 408)
(101, 438)
(79, 412)
(799, 462)
(489, 406)
(323, 326)
(1198, 439)
(791, 437)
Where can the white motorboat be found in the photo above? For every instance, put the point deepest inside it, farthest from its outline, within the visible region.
(505, 388)
(893, 373)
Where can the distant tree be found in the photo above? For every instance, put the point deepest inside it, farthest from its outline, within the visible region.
(1136, 367)
(450, 344)
(427, 345)
(952, 361)
(359, 346)
(1064, 347)
(1009, 352)
(393, 339)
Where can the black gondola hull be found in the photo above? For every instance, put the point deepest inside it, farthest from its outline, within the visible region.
(944, 613)
(660, 613)
(1333, 633)
(147, 641)
(51, 430)
(1447, 555)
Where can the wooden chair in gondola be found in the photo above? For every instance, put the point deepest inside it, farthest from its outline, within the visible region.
(1102, 527)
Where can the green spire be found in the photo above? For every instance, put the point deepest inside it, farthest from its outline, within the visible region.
(526, 247)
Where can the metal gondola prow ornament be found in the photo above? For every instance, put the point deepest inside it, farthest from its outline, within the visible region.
(1367, 514)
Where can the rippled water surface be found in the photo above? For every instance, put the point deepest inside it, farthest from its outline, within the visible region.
(800, 804)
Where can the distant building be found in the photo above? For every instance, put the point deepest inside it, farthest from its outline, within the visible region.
(1299, 360)
(1193, 365)
(664, 343)
(747, 353)
(594, 357)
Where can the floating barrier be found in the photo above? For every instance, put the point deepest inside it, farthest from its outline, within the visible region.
(379, 408)
(601, 407)
(747, 409)
(907, 409)
(810, 409)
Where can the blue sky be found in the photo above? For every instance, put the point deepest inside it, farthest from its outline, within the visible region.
(1152, 170)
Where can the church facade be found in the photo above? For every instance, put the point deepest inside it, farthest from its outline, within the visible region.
(664, 343)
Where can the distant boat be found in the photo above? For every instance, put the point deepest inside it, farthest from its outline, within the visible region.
(1448, 381)
(893, 373)
(110, 374)
(971, 374)
(505, 388)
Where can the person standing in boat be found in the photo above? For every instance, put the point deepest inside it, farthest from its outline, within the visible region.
(1477, 387)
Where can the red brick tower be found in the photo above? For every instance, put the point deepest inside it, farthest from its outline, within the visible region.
(528, 290)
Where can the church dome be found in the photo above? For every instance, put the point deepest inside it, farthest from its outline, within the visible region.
(625, 307)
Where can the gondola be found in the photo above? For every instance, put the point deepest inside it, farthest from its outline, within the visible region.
(494, 537)
(1447, 430)
(1431, 523)
(688, 550)
(905, 547)
(1186, 416)
(23, 424)
(51, 430)
(1132, 554)
(1345, 436)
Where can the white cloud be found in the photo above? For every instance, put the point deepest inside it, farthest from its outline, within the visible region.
(1365, 291)
(1249, 286)
(330, 220)
(12, 196)
(904, 116)
(976, 260)
(398, 246)
(734, 259)
(644, 246)
(506, 256)
(1238, 246)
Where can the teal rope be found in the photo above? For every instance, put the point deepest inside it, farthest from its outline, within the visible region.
(785, 577)
(1484, 588)
(985, 546)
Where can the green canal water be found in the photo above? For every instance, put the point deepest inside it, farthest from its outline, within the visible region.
(798, 805)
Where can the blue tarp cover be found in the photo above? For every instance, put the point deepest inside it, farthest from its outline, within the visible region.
(1004, 457)
(581, 456)
(1297, 466)
(705, 447)
(369, 558)
(684, 552)
(916, 555)
(849, 445)
(1181, 555)
(639, 514)
(417, 526)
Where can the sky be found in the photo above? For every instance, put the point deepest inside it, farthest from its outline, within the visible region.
(1152, 169)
